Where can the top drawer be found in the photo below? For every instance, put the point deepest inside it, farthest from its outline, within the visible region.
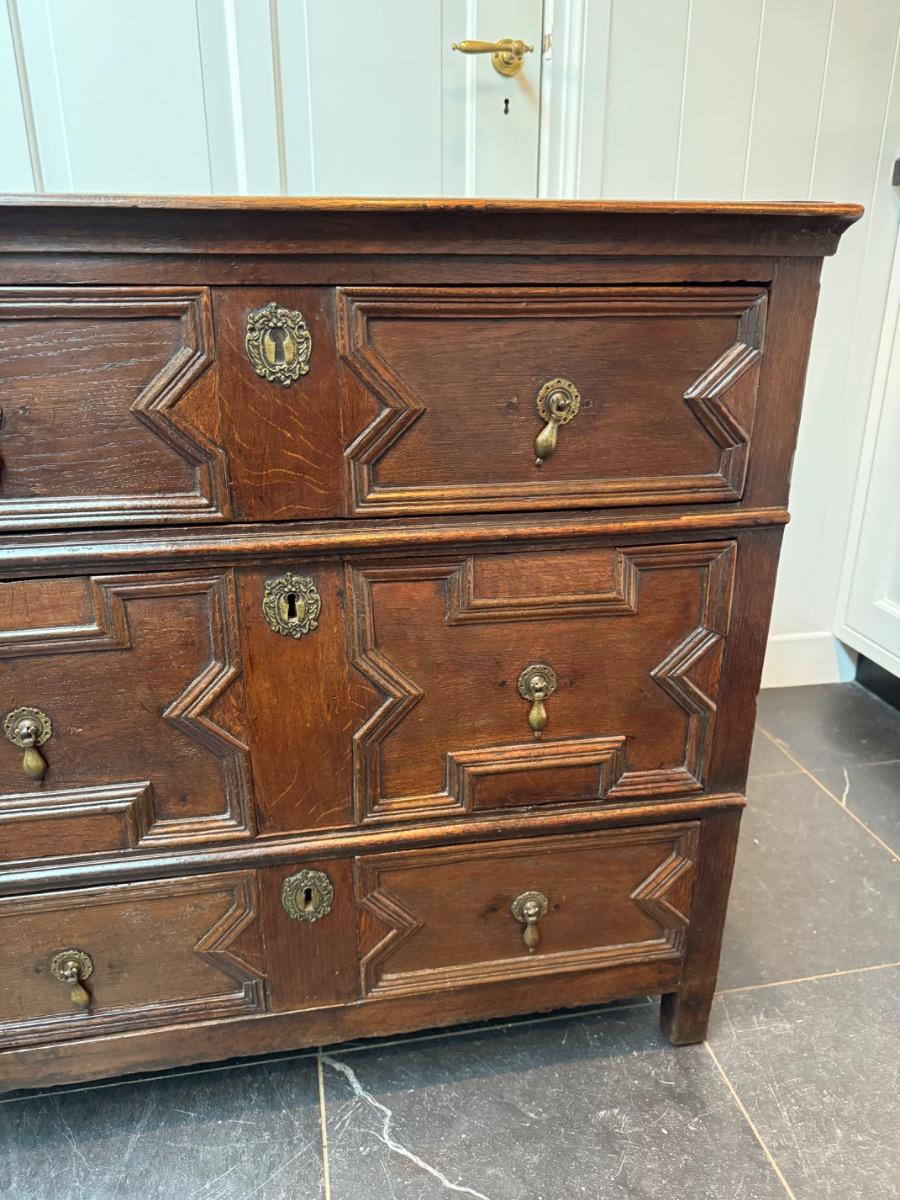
(149, 406)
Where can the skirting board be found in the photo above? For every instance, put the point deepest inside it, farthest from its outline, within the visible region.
(794, 659)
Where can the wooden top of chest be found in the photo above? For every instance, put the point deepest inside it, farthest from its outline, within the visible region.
(287, 225)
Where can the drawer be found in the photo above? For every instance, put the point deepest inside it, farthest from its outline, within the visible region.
(149, 406)
(134, 686)
(157, 953)
(573, 677)
(475, 399)
(177, 709)
(144, 406)
(461, 915)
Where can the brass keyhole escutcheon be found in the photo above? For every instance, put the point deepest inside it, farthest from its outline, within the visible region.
(528, 910)
(72, 967)
(557, 403)
(291, 604)
(308, 895)
(536, 683)
(278, 343)
(29, 728)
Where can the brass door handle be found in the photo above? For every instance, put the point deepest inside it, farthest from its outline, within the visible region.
(29, 728)
(557, 403)
(528, 910)
(72, 967)
(507, 55)
(536, 683)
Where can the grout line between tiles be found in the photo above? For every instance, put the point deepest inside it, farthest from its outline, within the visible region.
(323, 1126)
(765, 1149)
(819, 784)
(755, 987)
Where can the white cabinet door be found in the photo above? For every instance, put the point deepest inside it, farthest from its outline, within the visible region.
(871, 595)
(327, 97)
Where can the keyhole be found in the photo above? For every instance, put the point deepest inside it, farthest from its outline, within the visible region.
(307, 898)
(291, 600)
(277, 336)
(506, 108)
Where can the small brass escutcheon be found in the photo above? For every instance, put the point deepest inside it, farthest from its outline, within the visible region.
(29, 728)
(536, 683)
(528, 910)
(72, 967)
(308, 895)
(278, 343)
(557, 403)
(291, 604)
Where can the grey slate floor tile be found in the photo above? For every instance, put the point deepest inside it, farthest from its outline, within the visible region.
(599, 1106)
(812, 892)
(767, 759)
(815, 1065)
(872, 792)
(831, 725)
(216, 1135)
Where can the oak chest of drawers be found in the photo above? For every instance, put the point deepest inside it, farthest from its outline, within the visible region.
(385, 591)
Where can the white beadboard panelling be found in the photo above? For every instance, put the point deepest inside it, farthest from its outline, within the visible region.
(644, 97)
(15, 159)
(573, 98)
(721, 58)
(373, 102)
(117, 95)
(792, 52)
(852, 160)
(296, 101)
(241, 105)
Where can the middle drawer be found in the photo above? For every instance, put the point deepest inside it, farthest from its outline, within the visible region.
(146, 711)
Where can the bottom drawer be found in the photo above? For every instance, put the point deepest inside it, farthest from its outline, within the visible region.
(462, 915)
(147, 954)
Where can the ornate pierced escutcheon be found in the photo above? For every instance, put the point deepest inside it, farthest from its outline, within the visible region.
(278, 343)
(72, 967)
(557, 402)
(29, 728)
(291, 604)
(528, 910)
(536, 683)
(308, 895)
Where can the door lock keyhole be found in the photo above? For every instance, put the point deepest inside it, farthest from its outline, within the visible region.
(506, 108)
(308, 898)
(291, 602)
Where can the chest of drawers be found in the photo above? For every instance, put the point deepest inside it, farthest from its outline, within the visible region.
(385, 591)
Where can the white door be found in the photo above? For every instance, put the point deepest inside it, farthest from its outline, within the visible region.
(327, 97)
(871, 596)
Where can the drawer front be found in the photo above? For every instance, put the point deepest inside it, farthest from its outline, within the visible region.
(473, 399)
(464, 915)
(146, 954)
(140, 681)
(627, 641)
(146, 405)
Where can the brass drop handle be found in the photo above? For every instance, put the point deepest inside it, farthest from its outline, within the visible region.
(536, 683)
(29, 728)
(528, 910)
(72, 967)
(557, 403)
(507, 54)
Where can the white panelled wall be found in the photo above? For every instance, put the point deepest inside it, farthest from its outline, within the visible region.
(694, 99)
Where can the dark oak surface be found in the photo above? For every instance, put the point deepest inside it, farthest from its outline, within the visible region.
(151, 483)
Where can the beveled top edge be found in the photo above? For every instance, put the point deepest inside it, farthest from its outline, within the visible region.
(805, 209)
